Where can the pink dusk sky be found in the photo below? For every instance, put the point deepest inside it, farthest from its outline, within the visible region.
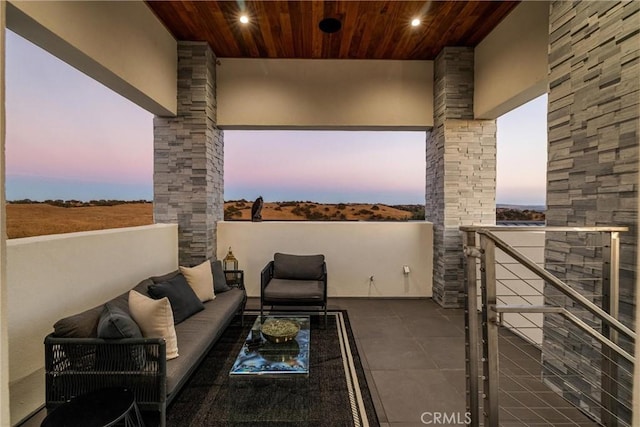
(69, 137)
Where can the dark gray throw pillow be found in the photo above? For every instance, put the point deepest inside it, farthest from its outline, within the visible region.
(219, 278)
(115, 323)
(184, 302)
(298, 267)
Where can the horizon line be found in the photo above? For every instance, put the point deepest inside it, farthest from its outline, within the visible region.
(142, 200)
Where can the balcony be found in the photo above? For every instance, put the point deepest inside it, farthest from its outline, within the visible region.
(413, 350)
(365, 259)
(584, 54)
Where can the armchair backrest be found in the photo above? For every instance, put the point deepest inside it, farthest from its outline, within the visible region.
(298, 267)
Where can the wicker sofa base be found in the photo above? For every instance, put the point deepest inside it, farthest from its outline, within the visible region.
(75, 366)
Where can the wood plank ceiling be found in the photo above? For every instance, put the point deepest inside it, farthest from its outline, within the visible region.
(370, 29)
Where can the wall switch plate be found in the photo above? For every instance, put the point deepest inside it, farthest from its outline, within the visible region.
(405, 269)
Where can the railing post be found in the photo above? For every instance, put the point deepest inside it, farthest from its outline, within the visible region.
(489, 332)
(471, 327)
(610, 304)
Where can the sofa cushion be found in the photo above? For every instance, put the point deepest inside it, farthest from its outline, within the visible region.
(184, 302)
(304, 291)
(219, 278)
(142, 287)
(200, 278)
(199, 333)
(298, 267)
(81, 325)
(114, 323)
(164, 277)
(85, 324)
(155, 319)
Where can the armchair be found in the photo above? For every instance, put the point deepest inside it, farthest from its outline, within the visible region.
(294, 280)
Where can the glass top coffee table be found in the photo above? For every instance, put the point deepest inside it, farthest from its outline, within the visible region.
(260, 357)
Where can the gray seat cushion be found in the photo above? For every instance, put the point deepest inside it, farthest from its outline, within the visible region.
(298, 267)
(197, 333)
(283, 290)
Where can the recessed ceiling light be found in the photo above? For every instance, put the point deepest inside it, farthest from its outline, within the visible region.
(415, 22)
(244, 19)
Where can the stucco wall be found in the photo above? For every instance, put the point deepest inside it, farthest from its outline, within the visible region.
(354, 251)
(511, 62)
(515, 280)
(50, 277)
(304, 93)
(4, 351)
(120, 44)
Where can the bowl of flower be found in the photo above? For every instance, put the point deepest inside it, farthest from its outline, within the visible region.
(280, 330)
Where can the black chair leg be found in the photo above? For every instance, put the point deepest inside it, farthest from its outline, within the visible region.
(243, 307)
(325, 316)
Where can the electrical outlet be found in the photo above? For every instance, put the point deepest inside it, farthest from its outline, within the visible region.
(405, 269)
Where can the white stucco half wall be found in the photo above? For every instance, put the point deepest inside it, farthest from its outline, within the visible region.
(354, 252)
(121, 44)
(4, 303)
(324, 94)
(514, 280)
(511, 62)
(50, 277)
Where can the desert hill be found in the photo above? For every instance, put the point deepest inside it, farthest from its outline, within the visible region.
(27, 218)
(515, 214)
(38, 219)
(311, 211)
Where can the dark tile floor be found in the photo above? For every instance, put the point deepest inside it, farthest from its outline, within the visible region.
(414, 358)
(413, 355)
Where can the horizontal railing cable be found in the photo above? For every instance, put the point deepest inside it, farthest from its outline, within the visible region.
(549, 356)
(561, 286)
(542, 380)
(551, 353)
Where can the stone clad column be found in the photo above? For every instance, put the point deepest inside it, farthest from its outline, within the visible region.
(188, 179)
(592, 180)
(461, 170)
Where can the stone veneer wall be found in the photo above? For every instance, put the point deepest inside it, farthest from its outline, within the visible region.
(188, 181)
(461, 170)
(592, 174)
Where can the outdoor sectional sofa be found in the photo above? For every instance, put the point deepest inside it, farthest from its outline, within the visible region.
(77, 361)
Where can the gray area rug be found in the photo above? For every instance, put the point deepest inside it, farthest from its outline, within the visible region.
(334, 394)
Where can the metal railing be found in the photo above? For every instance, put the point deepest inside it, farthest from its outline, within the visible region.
(547, 327)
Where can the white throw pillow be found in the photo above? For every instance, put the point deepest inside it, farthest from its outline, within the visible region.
(200, 279)
(155, 319)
